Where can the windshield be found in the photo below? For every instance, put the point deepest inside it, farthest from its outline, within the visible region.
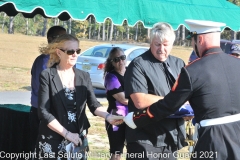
(98, 51)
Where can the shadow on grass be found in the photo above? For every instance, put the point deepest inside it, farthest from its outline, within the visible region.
(28, 88)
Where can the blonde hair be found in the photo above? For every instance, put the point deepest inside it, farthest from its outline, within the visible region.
(57, 43)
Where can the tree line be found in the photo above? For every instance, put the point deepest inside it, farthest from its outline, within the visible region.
(90, 29)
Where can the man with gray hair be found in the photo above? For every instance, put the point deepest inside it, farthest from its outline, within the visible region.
(149, 77)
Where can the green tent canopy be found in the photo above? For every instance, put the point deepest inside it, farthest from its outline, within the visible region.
(146, 11)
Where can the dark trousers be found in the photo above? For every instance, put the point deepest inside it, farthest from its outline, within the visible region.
(34, 124)
(136, 151)
(116, 138)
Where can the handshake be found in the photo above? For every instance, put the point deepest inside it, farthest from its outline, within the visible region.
(133, 119)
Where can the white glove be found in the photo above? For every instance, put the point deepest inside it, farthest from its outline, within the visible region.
(128, 119)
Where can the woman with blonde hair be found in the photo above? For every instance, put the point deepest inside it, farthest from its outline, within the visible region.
(63, 94)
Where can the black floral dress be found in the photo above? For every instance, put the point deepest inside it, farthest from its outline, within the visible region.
(49, 147)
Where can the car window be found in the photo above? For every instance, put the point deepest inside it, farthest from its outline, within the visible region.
(88, 52)
(107, 53)
(136, 53)
(97, 52)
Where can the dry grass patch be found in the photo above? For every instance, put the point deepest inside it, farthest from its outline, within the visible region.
(14, 78)
(97, 138)
(18, 52)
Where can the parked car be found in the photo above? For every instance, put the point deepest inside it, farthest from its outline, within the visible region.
(92, 60)
(236, 41)
(224, 44)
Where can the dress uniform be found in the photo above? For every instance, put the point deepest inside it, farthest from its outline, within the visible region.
(211, 85)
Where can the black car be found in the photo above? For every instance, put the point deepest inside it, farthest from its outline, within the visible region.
(224, 44)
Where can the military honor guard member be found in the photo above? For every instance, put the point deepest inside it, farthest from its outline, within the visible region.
(211, 85)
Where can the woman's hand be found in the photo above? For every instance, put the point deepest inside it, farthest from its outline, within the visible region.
(118, 122)
(74, 137)
(114, 120)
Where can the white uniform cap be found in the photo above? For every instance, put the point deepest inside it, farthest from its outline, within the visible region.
(200, 26)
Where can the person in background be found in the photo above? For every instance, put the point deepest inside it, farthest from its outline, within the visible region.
(117, 103)
(149, 77)
(38, 66)
(211, 85)
(235, 50)
(63, 95)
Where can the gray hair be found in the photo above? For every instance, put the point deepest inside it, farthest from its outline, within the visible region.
(163, 31)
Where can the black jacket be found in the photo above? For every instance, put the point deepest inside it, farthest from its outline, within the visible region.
(52, 104)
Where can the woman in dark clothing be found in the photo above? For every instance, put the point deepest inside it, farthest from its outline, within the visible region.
(114, 72)
(63, 94)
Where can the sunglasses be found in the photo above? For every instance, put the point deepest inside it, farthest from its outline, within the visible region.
(55, 36)
(71, 52)
(117, 59)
